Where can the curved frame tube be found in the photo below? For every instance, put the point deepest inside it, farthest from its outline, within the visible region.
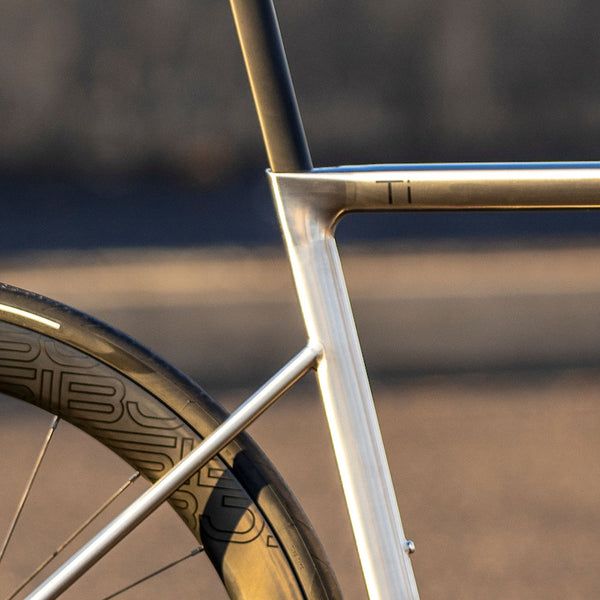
(309, 205)
(141, 508)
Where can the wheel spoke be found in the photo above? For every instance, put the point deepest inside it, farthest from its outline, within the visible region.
(29, 485)
(62, 546)
(155, 573)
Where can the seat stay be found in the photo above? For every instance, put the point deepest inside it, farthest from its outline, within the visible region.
(132, 516)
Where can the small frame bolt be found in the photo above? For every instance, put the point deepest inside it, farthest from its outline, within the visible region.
(409, 546)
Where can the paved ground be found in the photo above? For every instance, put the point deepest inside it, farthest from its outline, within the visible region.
(229, 317)
(497, 472)
(497, 479)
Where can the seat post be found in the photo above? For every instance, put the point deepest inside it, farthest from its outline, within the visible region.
(271, 84)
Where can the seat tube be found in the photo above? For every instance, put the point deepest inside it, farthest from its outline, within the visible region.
(308, 234)
(366, 480)
(271, 84)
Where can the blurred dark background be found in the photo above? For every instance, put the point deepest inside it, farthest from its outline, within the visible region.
(132, 121)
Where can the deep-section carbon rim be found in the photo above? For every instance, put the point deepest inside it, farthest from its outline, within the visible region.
(236, 506)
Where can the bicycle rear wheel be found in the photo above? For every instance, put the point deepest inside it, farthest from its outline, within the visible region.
(237, 506)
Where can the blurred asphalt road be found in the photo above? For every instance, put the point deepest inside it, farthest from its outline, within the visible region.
(497, 480)
(229, 316)
(486, 384)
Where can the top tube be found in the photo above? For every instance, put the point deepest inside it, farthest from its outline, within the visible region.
(485, 166)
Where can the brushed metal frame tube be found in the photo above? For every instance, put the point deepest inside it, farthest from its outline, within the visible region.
(307, 226)
(309, 205)
(141, 508)
(498, 186)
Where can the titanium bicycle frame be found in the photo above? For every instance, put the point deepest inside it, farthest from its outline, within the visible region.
(309, 203)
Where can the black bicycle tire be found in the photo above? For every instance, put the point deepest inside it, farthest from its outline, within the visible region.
(251, 526)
